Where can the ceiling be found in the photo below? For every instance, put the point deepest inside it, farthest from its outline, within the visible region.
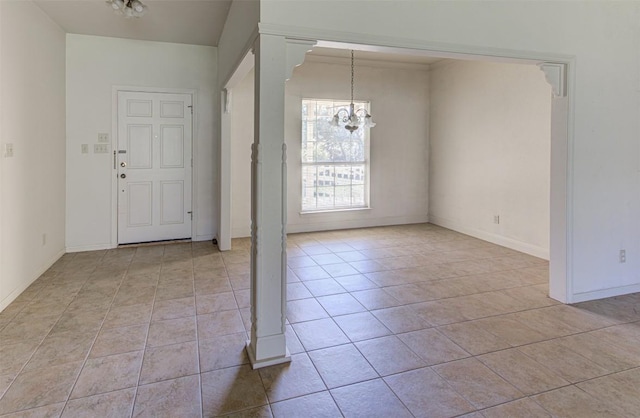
(197, 22)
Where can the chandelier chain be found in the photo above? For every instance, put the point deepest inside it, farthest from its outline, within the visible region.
(352, 76)
(353, 118)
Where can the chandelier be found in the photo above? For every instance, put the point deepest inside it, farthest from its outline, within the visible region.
(127, 8)
(351, 118)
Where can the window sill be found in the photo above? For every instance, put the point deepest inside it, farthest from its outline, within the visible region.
(324, 211)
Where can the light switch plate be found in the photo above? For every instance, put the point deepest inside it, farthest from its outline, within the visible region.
(100, 148)
(84, 148)
(103, 137)
(8, 150)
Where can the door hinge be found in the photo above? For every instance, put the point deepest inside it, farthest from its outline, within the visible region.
(191, 107)
(190, 214)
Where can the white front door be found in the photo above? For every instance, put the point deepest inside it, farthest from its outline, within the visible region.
(154, 166)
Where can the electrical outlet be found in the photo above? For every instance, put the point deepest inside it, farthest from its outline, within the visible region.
(84, 148)
(8, 150)
(100, 148)
(496, 219)
(103, 137)
(623, 256)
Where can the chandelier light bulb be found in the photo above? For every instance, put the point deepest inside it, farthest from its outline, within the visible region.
(127, 8)
(137, 6)
(368, 121)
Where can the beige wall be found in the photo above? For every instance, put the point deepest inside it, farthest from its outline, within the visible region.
(489, 152)
(398, 170)
(96, 64)
(32, 191)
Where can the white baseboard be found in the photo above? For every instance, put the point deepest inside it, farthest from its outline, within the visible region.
(205, 237)
(524, 247)
(604, 293)
(92, 247)
(355, 223)
(240, 232)
(243, 232)
(13, 295)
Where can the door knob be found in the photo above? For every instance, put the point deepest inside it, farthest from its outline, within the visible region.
(123, 176)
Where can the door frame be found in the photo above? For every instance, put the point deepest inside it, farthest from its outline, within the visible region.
(114, 147)
(562, 135)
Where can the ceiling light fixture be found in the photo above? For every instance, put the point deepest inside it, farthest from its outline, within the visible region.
(127, 8)
(352, 118)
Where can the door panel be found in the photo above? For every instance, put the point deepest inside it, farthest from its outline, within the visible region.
(171, 192)
(140, 146)
(139, 108)
(154, 166)
(171, 109)
(171, 146)
(140, 197)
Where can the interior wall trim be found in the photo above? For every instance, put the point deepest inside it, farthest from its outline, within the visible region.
(114, 146)
(563, 115)
(514, 244)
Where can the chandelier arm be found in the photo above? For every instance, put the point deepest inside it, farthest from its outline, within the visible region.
(352, 118)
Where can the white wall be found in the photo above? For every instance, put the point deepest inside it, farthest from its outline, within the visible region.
(241, 140)
(601, 40)
(489, 152)
(237, 36)
(399, 143)
(236, 41)
(33, 113)
(94, 66)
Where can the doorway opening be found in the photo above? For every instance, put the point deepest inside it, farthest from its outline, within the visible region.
(557, 72)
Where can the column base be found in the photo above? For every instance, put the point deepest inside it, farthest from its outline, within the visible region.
(266, 362)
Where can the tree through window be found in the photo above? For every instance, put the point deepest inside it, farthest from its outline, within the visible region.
(335, 166)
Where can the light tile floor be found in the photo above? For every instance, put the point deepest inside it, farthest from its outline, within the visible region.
(383, 322)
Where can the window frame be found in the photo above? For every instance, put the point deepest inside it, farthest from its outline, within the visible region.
(366, 162)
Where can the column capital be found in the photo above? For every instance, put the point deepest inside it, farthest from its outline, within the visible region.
(296, 51)
(555, 73)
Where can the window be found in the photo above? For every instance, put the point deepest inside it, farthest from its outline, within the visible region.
(335, 163)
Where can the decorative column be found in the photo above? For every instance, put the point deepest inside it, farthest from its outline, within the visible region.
(275, 58)
(560, 274)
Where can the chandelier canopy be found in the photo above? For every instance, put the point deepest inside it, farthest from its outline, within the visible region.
(352, 118)
(127, 8)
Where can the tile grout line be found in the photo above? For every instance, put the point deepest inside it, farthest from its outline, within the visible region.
(153, 303)
(435, 327)
(195, 318)
(47, 334)
(6, 390)
(86, 358)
